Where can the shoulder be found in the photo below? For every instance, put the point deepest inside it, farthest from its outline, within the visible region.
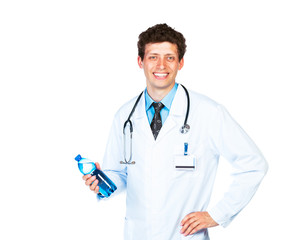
(126, 108)
(207, 109)
(198, 100)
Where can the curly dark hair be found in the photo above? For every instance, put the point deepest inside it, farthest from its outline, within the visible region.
(161, 33)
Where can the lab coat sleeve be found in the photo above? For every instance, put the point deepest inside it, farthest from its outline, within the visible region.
(113, 155)
(233, 144)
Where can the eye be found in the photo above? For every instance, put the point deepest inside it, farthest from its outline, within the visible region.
(153, 58)
(170, 58)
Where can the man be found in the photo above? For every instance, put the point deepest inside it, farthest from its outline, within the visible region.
(169, 186)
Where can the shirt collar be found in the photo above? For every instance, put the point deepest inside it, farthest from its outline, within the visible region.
(166, 101)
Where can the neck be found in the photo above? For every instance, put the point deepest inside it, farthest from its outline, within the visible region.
(158, 94)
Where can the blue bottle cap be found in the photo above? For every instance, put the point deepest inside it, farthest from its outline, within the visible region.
(78, 157)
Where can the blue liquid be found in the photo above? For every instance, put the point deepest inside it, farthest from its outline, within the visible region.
(86, 166)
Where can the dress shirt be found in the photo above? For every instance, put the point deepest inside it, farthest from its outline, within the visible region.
(166, 101)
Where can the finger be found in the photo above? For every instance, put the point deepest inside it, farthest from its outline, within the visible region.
(191, 228)
(85, 177)
(97, 189)
(188, 216)
(89, 181)
(188, 223)
(98, 165)
(94, 185)
(197, 228)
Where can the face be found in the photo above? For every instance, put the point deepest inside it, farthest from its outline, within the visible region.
(161, 65)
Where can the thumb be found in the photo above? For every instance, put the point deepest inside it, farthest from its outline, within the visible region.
(98, 166)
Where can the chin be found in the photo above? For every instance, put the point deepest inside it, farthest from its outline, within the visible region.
(159, 84)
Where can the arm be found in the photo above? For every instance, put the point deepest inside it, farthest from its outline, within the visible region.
(233, 144)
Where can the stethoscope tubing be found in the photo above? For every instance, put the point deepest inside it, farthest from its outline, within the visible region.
(188, 105)
(185, 128)
(131, 114)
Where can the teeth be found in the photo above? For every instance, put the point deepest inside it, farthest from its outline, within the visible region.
(161, 74)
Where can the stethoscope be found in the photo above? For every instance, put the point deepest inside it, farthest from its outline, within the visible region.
(184, 129)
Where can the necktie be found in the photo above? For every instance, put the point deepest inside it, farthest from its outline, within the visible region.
(156, 123)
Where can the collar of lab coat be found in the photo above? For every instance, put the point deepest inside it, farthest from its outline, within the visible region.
(178, 108)
(175, 118)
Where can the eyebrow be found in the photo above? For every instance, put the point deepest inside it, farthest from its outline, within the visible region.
(167, 54)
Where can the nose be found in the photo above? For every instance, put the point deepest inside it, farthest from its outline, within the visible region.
(161, 64)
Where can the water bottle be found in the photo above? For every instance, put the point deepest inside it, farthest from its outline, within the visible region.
(86, 166)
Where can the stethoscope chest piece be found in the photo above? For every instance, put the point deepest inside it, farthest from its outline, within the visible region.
(185, 128)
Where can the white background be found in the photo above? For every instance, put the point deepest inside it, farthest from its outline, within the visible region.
(63, 63)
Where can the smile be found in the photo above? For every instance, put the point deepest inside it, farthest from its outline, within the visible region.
(160, 75)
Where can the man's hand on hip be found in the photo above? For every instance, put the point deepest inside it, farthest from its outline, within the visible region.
(197, 221)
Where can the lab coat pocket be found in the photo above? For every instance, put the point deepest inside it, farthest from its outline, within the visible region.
(185, 162)
(187, 166)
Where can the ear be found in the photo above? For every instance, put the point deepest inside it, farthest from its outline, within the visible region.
(140, 62)
(181, 63)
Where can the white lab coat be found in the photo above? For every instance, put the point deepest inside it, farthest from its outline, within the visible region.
(158, 196)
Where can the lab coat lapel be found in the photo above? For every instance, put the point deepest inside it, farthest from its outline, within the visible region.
(140, 120)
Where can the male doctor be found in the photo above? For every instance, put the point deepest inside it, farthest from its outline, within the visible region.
(169, 186)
